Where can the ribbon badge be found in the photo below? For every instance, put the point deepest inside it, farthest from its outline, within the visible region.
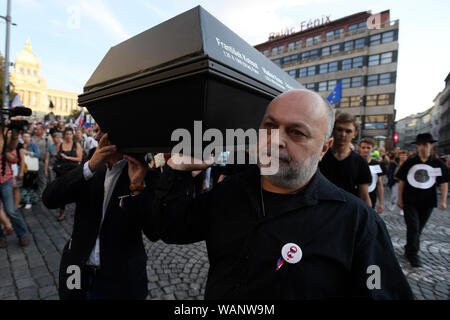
(290, 253)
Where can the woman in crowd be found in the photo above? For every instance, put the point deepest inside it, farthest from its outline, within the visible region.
(68, 155)
(29, 186)
(50, 157)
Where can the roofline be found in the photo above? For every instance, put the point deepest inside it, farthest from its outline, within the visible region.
(327, 25)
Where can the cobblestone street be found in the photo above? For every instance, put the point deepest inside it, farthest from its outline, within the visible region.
(179, 272)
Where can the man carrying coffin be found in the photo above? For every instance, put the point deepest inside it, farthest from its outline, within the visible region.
(291, 235)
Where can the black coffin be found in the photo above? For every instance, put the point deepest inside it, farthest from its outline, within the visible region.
(189, 68)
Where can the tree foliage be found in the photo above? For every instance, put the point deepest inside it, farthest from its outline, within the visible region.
(2, 82)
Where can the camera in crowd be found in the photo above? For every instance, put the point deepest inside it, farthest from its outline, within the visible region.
(7, 114)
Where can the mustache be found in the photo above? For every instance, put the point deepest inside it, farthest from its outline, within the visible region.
(282, 155)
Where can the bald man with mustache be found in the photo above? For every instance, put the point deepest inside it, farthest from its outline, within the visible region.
(289, 235)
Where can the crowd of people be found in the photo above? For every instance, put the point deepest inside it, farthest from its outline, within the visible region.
(323, 205)
(36, 156)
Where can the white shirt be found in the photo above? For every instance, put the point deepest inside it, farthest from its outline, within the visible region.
(91, 143)
(111, 177)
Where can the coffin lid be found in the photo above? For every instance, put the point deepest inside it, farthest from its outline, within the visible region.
(191, 35)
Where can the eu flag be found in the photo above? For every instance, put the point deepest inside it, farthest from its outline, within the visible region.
(335, 95)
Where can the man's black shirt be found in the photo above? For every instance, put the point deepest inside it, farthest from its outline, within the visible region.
(420, 185)
(339, 235)
(347, 173)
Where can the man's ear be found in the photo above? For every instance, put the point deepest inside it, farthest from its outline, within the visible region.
(327, 145)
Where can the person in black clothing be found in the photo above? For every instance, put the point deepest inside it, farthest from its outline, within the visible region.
(290, 235)
(106, 243)
(417, 196)
(344, 167)
(376, 188)
(68, 156)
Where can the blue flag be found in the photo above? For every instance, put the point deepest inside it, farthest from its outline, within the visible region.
(335, 95)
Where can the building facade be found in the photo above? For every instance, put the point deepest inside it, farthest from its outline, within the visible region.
(444, 129)
(409, 127)
(32, 87)
(364, 59)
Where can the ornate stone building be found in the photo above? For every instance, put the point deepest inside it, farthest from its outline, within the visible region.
(31, 86)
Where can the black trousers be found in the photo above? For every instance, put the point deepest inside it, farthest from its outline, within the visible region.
(415, 218)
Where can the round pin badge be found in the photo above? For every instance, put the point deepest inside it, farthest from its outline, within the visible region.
(291, 253)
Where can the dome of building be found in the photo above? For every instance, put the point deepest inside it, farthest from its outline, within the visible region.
(27, 57)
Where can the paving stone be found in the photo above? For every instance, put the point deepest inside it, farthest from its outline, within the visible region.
(24, 283)
(29, 293)
(47, 291)
(45, 281)
(6, 281)
(7, 291)
(39, 271)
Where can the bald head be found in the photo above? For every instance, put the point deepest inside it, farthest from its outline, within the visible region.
(301, 103)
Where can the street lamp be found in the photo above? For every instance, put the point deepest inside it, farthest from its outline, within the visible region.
(6, 71)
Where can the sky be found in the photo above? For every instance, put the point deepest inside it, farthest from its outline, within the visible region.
(70, 37)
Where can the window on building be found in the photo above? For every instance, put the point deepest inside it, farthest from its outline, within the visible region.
(362, 24)
(305, 55)
(302, 72)
(372, 80)
(311, 70)
(35, 73)
(349, 45)
(374, 60)
(335, 49)
(265, 52)
(375, 39)
(356, 82)
(387, 37)
(278, 49)
(331, 84)
(325, 51)
(384, 99)
(28, 71)
(339, 31)
(323, 68)
(353, 27)
(314, 54)
(371, 100)
(59, 103)
(323, 86)
(357, 62)
(291, 45)
(355, 101)
(329, 34)
(311, 86)
(298, 43)
(386, 58)
(345, 102)
(33, 99)
(376, 122)
(317, 38)
(332, 66)
(385, 78)
(346, 64)
(309, 41)
(346, 83)
(360, 43)
(292, 73)
(277, 62)
(21, 70)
